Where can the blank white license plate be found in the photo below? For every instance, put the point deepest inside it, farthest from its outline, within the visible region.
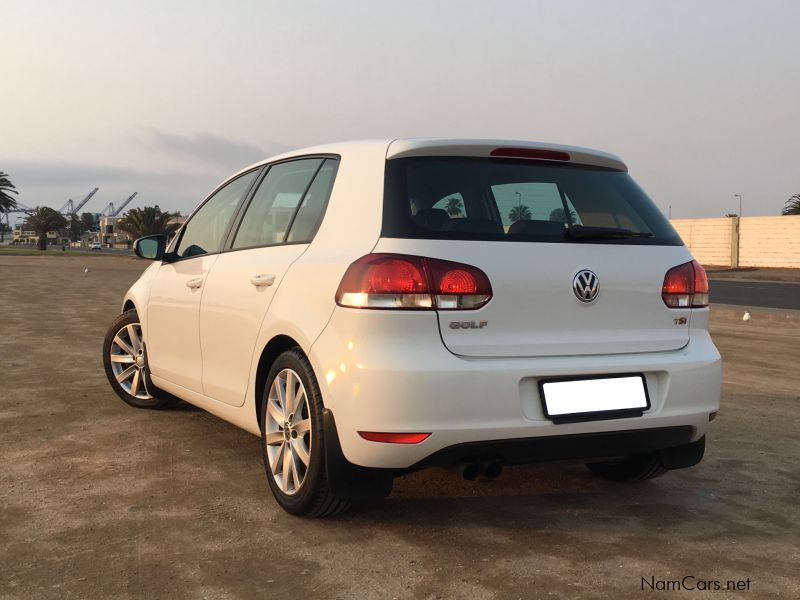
(601, 398)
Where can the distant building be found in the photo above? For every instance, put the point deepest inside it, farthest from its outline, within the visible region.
(110, 236)
(180, 220)
(28, 237)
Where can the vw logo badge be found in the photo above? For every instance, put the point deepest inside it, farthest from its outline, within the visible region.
(586, 286)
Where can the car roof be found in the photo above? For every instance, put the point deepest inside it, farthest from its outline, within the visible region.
(407, 147)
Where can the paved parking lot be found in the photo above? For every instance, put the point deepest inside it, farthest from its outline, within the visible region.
(98, 500)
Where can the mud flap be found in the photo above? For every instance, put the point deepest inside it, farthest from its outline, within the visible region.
(681, 457)
(346, 480)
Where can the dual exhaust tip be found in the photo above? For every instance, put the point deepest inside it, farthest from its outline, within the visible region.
(471, 471)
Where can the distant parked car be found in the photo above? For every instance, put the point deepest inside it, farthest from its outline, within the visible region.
(374, 308)
(95, 246)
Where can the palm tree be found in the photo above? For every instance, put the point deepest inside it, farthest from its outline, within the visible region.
(731, 215)
(139, 222)
(74, 228)
(792, 206)
(558, 214)
(519, 213)
(7, 203)
(87, 222)
(453, 207)
(43, 219)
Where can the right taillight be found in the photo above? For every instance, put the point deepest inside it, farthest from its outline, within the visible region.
(685, 286)
(401, 281)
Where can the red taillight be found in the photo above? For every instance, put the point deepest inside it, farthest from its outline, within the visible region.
(412, 282)
(394, 438)
(392, 276)
(685, 286)
(533, 153)
(457, 281)
(700, 285)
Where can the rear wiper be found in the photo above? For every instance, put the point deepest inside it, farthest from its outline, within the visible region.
(580, 232)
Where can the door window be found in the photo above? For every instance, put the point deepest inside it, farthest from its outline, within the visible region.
(204, 232)
(270, 213)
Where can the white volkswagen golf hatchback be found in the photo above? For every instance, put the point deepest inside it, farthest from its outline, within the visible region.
(373, 308)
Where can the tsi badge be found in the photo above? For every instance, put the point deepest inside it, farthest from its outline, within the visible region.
(468, 324)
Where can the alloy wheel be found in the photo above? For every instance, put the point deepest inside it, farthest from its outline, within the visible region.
(288, 431)
(128, 361)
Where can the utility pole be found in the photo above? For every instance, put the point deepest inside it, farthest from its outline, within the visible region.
(739, 196)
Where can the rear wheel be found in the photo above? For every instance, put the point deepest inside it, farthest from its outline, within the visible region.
(125, 362)
(292, 439)
(633, 468)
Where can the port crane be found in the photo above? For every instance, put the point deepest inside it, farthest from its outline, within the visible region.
(110, 211)
(20, 208)
(69, 209)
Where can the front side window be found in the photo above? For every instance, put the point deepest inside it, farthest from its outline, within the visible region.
(287, 205)
(204, 232)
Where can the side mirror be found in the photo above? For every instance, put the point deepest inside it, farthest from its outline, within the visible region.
(151, 247)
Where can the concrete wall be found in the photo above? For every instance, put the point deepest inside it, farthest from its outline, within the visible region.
(769, 242)
(753, 241)
(708, 239)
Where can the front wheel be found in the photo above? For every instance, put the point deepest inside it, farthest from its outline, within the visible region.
(125, 362)
(292, 439)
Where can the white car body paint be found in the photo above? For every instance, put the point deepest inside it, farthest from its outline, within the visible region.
(408, 371)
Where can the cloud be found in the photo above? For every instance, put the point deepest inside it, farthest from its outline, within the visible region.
(211, 148)
(192, 166)
(52, 183)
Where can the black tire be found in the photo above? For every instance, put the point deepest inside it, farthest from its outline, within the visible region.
(313, 497)
(633, 468)
(158, 398)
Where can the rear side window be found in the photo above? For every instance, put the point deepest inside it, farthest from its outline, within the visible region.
(518, 200)
(308, 217)
(276, 201)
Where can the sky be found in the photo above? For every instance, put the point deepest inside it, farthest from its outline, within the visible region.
(701, 99)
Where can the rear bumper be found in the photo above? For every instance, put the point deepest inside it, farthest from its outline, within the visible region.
(582, 447)
(394, 375)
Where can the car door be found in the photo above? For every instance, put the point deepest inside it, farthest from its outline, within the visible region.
(273, 231)
(173, 339)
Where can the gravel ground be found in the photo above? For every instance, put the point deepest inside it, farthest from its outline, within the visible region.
(99, 500)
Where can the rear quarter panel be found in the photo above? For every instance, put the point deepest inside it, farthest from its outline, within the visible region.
(350, 228)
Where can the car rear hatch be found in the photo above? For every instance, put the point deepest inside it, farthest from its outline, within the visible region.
(575, 252)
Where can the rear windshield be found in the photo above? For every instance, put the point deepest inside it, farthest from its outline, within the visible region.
(517, 201)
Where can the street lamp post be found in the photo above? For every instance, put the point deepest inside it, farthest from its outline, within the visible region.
(738, 225)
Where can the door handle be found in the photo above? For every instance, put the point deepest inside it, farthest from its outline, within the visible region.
(194, 283)
(262, 279)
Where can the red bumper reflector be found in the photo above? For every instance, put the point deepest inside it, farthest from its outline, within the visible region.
(394, 438)
(534, 153)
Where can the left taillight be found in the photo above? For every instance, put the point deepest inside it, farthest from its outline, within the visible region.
(402, 281)
(685, 286)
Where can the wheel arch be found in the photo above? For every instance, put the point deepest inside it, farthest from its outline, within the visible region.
(128, 305)
(277, 345)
